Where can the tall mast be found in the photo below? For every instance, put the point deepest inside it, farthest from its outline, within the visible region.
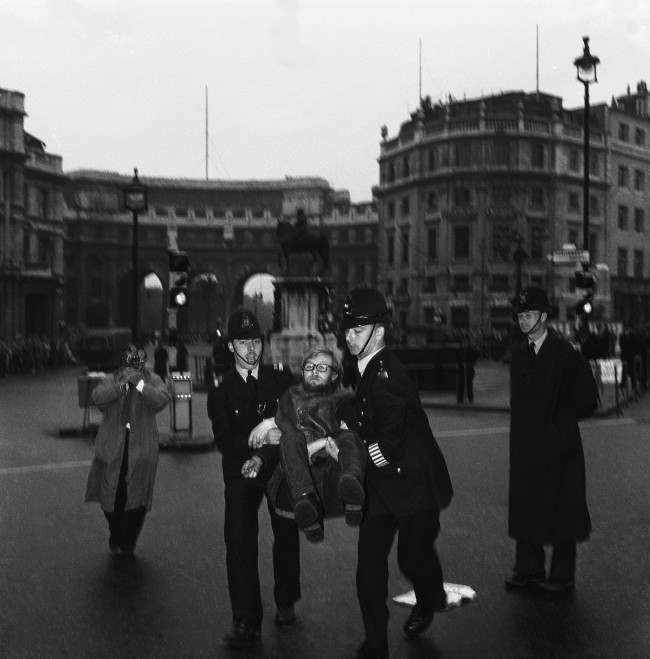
(206, 132)
(420, 71)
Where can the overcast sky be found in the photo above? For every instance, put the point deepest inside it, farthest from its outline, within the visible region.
(296, 87)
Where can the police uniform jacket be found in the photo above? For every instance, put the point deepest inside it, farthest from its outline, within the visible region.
(406, 472)
(234, 411)
(549, 393)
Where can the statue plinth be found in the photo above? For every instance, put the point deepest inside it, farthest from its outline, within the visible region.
(302, 305)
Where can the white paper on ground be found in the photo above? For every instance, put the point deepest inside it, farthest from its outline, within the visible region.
(457, 595)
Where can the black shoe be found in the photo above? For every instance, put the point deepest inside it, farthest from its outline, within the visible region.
(243, 636)
(419, 621)
(307, 510)
(364, 651)
(353, 496)
(557, 586)
(521, 581)
(285, 616)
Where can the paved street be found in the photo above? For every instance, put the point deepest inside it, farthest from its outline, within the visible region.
(62, 595)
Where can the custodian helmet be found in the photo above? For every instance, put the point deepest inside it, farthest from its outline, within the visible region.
(364, 306)
(242, 324)
(532, 298)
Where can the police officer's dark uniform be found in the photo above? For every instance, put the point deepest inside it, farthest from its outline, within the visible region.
(551, 388)
(407, 484)
(234, 409)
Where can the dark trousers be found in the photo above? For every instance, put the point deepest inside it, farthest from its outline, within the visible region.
(417, 559)
(529, 560)
(243, 499)
(304, 477)
(124, 525)
(465, 383)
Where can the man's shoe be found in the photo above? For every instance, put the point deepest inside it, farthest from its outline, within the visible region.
(419, 621)
(520, 581)
(364, 651)
(307, 510)
(556, 586)
(243, 636)
(285, 615)
(315, 532)
(353, 496)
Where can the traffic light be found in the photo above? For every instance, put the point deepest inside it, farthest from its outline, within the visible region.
(586, 281)
(179, 265)
(585, 307)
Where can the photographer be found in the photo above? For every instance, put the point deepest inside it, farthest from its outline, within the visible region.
(123, 470)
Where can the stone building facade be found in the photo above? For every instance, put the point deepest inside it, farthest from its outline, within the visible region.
(31, 227)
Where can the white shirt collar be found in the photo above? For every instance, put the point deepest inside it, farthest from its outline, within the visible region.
(363, 362)
(243, 372)
(538, 342)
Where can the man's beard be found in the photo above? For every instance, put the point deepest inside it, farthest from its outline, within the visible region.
(318, 388)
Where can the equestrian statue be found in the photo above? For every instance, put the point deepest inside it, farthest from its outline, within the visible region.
(300, 237)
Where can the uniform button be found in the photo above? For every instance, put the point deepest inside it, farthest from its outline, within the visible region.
(399, 470)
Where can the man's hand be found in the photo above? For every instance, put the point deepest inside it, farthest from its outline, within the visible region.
(258, 435)
(252, 467)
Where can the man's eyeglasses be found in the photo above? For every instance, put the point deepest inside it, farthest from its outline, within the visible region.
(319, 368)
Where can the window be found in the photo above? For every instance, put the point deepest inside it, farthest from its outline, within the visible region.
(334, 237)
(461, 283)
(429, 284)
(200, 212)
(405, 206)
(594, 164)
(537, 200)
(639, 180)
(501, 195)
(623, 176)
(405, 247)
(573, 236)
(639, 219)
(391, 172)
(502, 152)
(27, 256)
(499, 283)
(367, 235)
(429, 313)
(460, 318)
(389, 287)
(462, 197)
(391, 210)
(593, 247)
(574, 202)
(406, 167)
(621, 265)
(461, 242)
(390, 248)
(432, 201)
(432, 244)
(594, 205)
(623, 132)
(622, 218)
(537, 155)
(638, 263)
(360, 273)
(432, 159)
(574, 160)
(536, 242)
(501, 242)
(403, 286)
(639, 137)
(463, 153)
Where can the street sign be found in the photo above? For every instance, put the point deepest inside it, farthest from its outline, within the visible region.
(560, 256)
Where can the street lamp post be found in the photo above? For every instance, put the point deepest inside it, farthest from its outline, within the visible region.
(586, 73)
(518, 257)
(135, 200)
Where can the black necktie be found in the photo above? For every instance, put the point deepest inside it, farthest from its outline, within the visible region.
(251, 382)
(531, 351)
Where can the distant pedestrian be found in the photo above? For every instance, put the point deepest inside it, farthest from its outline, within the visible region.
(182, 356)
(552, 387)
(123, 471)
(160, 358)
(466, 356)
(407, 482)
(243, 402)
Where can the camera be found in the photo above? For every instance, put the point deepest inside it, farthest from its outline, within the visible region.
(134, 358)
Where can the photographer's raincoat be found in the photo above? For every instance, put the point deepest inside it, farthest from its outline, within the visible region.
(139, 411)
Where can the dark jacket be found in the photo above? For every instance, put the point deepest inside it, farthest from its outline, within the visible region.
(391, 415)
(234, 412)
(549, 393)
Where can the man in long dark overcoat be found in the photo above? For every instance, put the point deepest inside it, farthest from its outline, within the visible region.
(407, 482)
(552, 387)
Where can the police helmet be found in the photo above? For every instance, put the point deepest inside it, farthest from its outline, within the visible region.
(242, 324)
(532, 298)
(364, 306)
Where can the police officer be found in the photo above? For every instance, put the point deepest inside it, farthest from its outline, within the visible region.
(241, 404)
(551, 388)
(407, 482)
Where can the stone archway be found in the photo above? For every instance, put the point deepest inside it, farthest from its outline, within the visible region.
(258, 295)
(150, 298)
(207, 304)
